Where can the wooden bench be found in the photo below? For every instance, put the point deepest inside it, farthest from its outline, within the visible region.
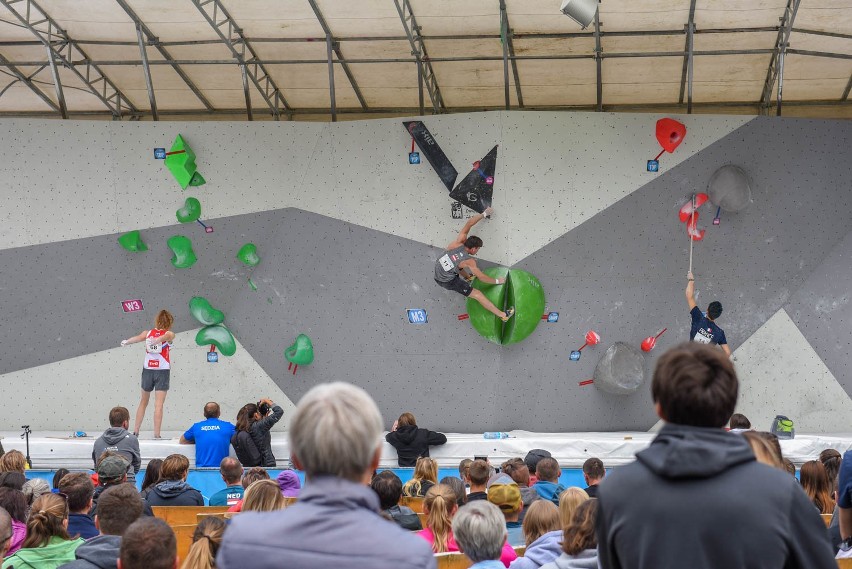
(844, 563)
(183, 533)
(184, 515)
(415, 504)
(827, 519)
(452, 561)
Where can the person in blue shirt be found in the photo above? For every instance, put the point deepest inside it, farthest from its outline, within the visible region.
(232, 473)
(211, 437)
(704, 329)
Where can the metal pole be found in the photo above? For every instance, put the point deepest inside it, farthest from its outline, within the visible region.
(146, 69)
(60, 96)
(781, 55)
(504, 29)
(420, 89)
(328, 49)
(598, 61)
(691, 65)
(246, 91)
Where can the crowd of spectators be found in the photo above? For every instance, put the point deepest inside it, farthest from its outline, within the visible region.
(732, 487)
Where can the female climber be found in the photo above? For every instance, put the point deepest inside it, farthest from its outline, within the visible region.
(155, 368)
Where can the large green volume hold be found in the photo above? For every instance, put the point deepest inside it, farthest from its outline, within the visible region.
(183, 256)
(190, 211)
(180, 160)
(301, 352)
(527, 296)
(488, 325)
(523, 291)
(218, 336)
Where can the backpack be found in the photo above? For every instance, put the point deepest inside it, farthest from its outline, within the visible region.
(782, 427)
(246, 450)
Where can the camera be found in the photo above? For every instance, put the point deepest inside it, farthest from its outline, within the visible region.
(263, 408)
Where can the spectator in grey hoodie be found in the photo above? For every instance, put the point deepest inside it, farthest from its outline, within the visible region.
(694, 475)
(117, 438)
(119, 507)
(335, 438)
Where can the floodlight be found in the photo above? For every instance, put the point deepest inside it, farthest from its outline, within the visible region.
(581, 11)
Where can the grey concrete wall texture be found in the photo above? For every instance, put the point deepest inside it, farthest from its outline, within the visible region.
(621, 273)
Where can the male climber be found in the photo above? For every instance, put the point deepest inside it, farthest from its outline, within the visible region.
(455, 268)
(704, 329)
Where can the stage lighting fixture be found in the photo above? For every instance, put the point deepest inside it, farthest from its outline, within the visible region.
(581, 11)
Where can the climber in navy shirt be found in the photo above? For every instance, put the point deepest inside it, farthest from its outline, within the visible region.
(704, 329)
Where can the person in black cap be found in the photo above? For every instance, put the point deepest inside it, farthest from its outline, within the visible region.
(704, 329)
(531, 460)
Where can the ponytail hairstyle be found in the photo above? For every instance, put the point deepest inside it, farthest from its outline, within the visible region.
(164, 320)
(45, 521)
(579, 535)
(439, 507)
(205, 543)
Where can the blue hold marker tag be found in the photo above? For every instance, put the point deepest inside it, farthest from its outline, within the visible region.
(212, 357)
(416, 315)
(575, 356)
(159, 153)
(414, 158)
(552, 317)
(653, 165)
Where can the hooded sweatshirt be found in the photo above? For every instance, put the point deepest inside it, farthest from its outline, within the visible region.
(174, 493)
(289, 483)
(587, 559)
(549, 490)
(697, 498)
(121, 441)
(259, 431)
(412, 442)
(98, 553)
(57, 552)
(543, 550)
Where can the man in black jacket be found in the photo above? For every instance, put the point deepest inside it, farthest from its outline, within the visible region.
(697, 497)
(410, 441)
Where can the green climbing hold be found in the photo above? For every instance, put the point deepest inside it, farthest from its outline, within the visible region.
(203, 311)
(523, 291)
(488, 325)
(180, 161)
(301, 352)
(218, 336)
(132, 241)
(197, 180)
(248, 254)
(183, 256)
(190, 211)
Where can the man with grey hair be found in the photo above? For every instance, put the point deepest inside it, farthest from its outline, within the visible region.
(480, 531)
(335, 437)
(5, 532)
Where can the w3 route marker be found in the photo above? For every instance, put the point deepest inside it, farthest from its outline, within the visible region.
(132, 305)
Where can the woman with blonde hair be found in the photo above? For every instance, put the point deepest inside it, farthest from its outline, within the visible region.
(815, 484)
(155, 368)
(764, 450)
(543, 534)
(205, 543)
(579, 543)
(440, 506)
(569, 501)
(47, 545)
(425, 476)
(263, 496)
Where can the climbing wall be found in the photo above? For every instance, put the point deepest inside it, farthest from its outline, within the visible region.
(347, 232)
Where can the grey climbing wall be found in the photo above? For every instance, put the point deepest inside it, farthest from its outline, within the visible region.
(606, 246)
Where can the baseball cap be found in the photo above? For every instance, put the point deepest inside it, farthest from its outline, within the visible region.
(505, 494)
(533, 456)
(112, 468)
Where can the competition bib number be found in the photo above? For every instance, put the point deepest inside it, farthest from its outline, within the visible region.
(152, 346)
(446, 263)
(703, 337)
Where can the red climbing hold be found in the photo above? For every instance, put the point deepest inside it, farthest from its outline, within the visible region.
(670, 134)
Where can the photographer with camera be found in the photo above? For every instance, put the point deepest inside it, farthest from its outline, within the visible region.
(252, 441)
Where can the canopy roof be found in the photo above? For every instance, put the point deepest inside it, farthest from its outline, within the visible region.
(637, 58)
